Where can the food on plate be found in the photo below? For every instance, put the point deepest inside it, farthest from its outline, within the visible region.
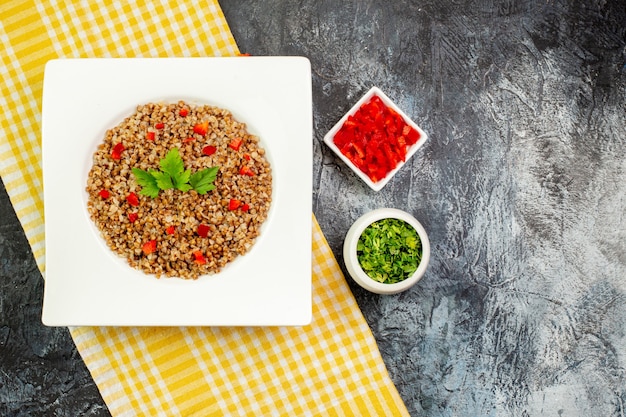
(375, 138)
(389, 250)
(179, 190)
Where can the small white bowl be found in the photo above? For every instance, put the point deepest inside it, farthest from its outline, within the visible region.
(352, 263)
(328, 139)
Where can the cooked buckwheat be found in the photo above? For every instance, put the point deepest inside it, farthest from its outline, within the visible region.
(172, 218)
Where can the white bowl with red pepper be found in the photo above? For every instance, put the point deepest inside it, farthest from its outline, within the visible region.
(375, 138)
(386, 251)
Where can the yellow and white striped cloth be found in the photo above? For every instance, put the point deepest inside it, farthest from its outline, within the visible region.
(331, 367)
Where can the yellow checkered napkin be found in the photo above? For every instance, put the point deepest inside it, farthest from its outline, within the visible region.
(33, 32)
(331, 367)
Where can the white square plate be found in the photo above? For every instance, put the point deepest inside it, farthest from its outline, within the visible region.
(86, 283)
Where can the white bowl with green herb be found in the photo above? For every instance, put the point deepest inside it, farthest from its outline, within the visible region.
(386, 251)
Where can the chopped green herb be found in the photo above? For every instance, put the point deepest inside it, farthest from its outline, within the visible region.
(174, 175)
(389, 250)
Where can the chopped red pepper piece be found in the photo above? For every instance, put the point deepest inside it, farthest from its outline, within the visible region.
(159, 126)
(375, 138)
(402, 143)
(209, 150)
(199, 258)
(245, 170)
(116, 153)
(234, 204)
(412, 137)
(359, 150)
(150, 135)
(133, 217)
(235, 144)
(132, 199)
(189, 139)
(170, 230)
(104, 193)
(201, 128)
(183, 112)
(203, 230)
(149, 247)
(246, 156)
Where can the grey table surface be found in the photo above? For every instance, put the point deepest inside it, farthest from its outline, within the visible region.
(521, 186)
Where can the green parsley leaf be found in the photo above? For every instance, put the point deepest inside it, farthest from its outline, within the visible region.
(174, 175)
(184, 187)
(147, 182)
(163, 180)
(202, 181)
(172, 164)
(182, 180)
